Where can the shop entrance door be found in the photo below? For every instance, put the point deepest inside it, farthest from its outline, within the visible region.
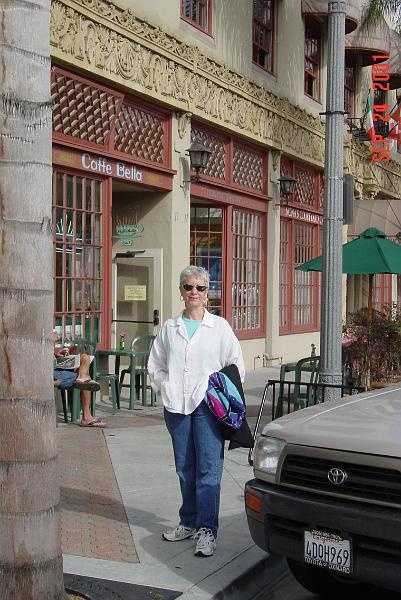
(137, 293)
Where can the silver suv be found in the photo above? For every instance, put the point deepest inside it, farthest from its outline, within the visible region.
(327, 493)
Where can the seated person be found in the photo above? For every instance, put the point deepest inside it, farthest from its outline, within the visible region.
(80, 379)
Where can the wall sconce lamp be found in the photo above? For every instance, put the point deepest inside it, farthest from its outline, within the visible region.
(287, 187)
(198, 158)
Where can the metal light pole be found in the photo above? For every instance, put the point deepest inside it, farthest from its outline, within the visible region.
(331, 306)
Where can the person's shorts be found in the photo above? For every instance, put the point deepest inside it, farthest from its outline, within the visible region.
(66, 378)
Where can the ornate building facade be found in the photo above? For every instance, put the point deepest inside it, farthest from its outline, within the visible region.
(133, 86)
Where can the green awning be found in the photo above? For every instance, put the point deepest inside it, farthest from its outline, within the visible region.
(372, 252)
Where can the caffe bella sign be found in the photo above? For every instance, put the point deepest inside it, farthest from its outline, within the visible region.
(100, 164)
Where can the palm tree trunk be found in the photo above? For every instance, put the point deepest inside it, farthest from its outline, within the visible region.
(30, 552)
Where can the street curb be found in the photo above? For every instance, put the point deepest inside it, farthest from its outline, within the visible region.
(245, 576)
(264, 574)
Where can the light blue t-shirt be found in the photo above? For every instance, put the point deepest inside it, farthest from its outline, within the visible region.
(191, 325)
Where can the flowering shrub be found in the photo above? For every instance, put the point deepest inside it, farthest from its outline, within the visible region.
(372, 346)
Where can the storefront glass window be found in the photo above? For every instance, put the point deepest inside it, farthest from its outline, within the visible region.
(247, 270)
(382, 290)
(299, 242)
(78, 256)
(206, 250)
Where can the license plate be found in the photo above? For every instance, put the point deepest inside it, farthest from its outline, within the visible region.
(328, 550)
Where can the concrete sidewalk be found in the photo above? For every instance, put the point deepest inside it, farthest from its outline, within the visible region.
(120, 492)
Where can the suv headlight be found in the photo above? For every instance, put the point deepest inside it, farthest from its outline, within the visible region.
(267, 454)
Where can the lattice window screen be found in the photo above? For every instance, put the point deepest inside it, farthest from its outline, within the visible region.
(140, 133)
(216, 166)
(306, 189)
(247, 168)
(81, 110)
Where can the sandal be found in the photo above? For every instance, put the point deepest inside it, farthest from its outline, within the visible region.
(94, 423)
(88, 384)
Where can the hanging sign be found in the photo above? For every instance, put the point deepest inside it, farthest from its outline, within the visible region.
(127, 229)
(100, 164)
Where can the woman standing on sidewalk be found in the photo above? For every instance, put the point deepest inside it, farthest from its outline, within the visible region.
(186, 351)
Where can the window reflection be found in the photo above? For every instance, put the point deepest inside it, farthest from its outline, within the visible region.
(206, 250)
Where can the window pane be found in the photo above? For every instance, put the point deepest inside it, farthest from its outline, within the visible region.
(59, 189)
(69, 285)
(70, 191)
(98, 207)
(78, 198)
(263, 33)
(79, 226)
(77, 260)
(96, 294)
(89, 232)
(98, 229)
(196, 11)
(89, 193)
(78, 326)
(97, 262)
(69, 260)
(59, 293)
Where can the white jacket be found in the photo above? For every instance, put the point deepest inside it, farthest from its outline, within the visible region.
(179, 368)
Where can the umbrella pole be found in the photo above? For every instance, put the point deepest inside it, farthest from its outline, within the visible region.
(370, 296)
(370, 315)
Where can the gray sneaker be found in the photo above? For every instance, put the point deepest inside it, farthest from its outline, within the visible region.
(205, 542)
(179, 533)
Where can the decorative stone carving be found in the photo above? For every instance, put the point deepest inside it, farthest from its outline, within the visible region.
(183, 119)
(101, 38)
(276, 155)
(142, 59)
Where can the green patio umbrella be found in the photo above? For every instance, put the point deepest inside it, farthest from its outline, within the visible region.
(370, 253)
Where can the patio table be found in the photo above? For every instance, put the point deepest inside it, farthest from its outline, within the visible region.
(118, 354)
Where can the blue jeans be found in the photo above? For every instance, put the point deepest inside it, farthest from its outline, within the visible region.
(198, 453)
(66, 377)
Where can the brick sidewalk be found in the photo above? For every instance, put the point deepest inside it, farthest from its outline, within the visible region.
(93, 519)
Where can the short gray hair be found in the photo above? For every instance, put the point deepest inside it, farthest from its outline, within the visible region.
(193, 271)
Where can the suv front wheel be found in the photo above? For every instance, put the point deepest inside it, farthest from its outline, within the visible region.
(324, 583)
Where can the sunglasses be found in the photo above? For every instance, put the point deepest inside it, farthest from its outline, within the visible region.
(199, 288)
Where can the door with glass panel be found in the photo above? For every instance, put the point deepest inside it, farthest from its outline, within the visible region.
(78, 256)
(137, 290)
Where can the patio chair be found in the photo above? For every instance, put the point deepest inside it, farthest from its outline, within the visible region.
(303, 389)
(138, 370)
(305, 395)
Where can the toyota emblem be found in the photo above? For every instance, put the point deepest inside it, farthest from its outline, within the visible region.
(337, 476)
